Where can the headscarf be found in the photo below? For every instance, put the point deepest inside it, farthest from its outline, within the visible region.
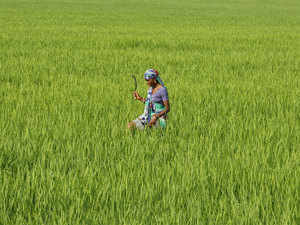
(152, 73)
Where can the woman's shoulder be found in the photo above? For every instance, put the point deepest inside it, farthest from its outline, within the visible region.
(163, 89)
(163, 92)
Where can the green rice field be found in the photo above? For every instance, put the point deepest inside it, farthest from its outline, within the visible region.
(230, 153)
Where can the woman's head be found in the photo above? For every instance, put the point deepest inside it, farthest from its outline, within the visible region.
(151, 76)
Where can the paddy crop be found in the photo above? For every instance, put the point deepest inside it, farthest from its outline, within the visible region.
(230, 153)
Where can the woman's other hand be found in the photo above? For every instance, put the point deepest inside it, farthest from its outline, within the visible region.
(153, 120)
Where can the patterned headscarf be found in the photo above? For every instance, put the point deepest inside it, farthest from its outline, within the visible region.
(152, 73)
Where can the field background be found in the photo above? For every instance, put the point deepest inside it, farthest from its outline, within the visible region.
(230, 154)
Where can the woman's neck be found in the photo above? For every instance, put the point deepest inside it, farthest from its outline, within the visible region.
(155, 85)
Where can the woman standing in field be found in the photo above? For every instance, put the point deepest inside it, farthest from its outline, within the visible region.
(156, 104)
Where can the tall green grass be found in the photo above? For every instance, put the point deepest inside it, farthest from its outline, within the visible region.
(230, 153)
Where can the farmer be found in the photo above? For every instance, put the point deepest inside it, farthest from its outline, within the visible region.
(156, 104)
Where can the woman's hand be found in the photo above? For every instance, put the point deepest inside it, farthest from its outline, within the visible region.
(153, 120)
(136, 95)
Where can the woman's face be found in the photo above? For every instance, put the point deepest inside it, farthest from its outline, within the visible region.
(151, 82)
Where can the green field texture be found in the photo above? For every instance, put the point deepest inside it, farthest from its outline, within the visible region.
(230, 153)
